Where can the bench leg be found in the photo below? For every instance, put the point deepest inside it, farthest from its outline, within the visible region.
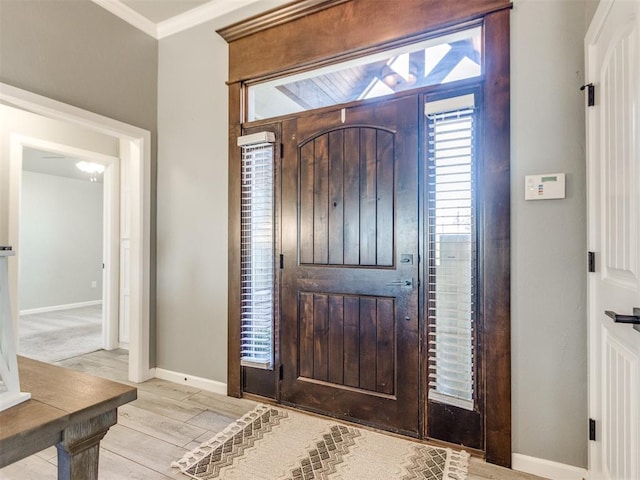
(80, 447)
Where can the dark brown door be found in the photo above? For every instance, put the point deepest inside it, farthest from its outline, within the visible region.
(349, 292)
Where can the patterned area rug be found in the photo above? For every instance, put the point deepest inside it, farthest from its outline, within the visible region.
(273, 443)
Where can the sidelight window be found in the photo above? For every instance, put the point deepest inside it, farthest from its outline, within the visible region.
(452, 245)
(257, 250)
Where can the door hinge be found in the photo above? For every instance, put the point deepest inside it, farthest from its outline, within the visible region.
(592, 429)
(281, 372)
(591, 94)
(282, 150)
(591, 261)
(281, 261)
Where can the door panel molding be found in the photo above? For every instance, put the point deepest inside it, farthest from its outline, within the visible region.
(380, 348)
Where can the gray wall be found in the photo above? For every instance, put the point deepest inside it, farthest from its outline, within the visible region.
(60, 241)
(548, 315)
(548, 267)
(77, 52)
(192, 203)
(548, 287)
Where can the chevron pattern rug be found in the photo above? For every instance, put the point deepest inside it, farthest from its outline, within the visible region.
(273, 443)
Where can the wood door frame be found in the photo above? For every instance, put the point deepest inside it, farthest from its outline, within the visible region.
(297, 41)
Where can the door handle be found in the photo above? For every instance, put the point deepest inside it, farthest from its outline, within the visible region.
(402, 283)
(631, 319)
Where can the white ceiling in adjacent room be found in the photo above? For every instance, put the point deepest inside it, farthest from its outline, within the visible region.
(50, 163)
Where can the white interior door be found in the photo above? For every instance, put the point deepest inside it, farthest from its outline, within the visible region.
(613, 152)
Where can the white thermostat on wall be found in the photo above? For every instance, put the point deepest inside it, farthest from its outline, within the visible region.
(544, 187)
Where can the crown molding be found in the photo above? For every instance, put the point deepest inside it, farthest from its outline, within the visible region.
(198, 15)
(276, 16)
(129, 15)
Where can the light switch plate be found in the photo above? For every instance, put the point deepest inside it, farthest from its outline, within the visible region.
(544, 187)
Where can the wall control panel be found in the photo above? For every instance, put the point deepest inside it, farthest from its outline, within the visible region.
(544, 187)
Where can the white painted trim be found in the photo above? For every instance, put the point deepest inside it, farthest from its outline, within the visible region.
(48, 107)
(597, 23)
(111, 256)
(192, 381)
(199, 15)
(450, 104)
(130, 16)
(56, 308)
(184, 21)
(138, 147)
(547, 468)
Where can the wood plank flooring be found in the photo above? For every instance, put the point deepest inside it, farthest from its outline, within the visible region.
(53, 336)
(165, 421)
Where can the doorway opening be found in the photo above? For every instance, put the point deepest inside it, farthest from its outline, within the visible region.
(62, 237)
(129, 250)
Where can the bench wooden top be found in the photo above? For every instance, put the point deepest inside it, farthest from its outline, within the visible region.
(59, 397)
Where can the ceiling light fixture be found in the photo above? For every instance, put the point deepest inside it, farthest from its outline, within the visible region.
(93, 169)
(396, 80)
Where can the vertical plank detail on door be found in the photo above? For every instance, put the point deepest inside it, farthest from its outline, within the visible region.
(385, 346)
(305, 332)
(347, 204)
(351, 341)
(368, 342)
(336, 198)
(320, 337)
(307, 166)
(368, 203)
(384, 198)
(321, 201)
(620, 407)
(337, 357)
(348, 340)
(352, 198)
(618, 168)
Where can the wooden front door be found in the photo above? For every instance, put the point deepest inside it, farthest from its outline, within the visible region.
(349, 294)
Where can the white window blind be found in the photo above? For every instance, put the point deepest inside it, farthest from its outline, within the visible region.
(452, 246)
(257, 251)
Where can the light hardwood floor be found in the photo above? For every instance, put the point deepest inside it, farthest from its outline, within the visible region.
(165, 421)
(56, 335)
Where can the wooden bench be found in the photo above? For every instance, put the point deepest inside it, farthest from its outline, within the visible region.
(68, 409)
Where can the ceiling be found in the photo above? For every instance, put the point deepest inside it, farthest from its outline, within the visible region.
(161, 18)
(49, 163)
(160, 10)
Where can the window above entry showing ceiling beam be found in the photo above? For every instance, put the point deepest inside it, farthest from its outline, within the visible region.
(443, 58)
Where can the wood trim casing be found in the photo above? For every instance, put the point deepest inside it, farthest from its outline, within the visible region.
(276, 16)
(345, 27)
(234, 371)
(311, 40)
(496, 219)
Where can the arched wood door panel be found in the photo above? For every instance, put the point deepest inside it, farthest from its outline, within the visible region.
(349, 318)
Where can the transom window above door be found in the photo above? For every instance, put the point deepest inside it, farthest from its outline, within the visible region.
(437, 60)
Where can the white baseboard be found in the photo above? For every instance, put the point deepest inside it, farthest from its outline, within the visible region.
(193, 381)
(547, 468)
(55, 308)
